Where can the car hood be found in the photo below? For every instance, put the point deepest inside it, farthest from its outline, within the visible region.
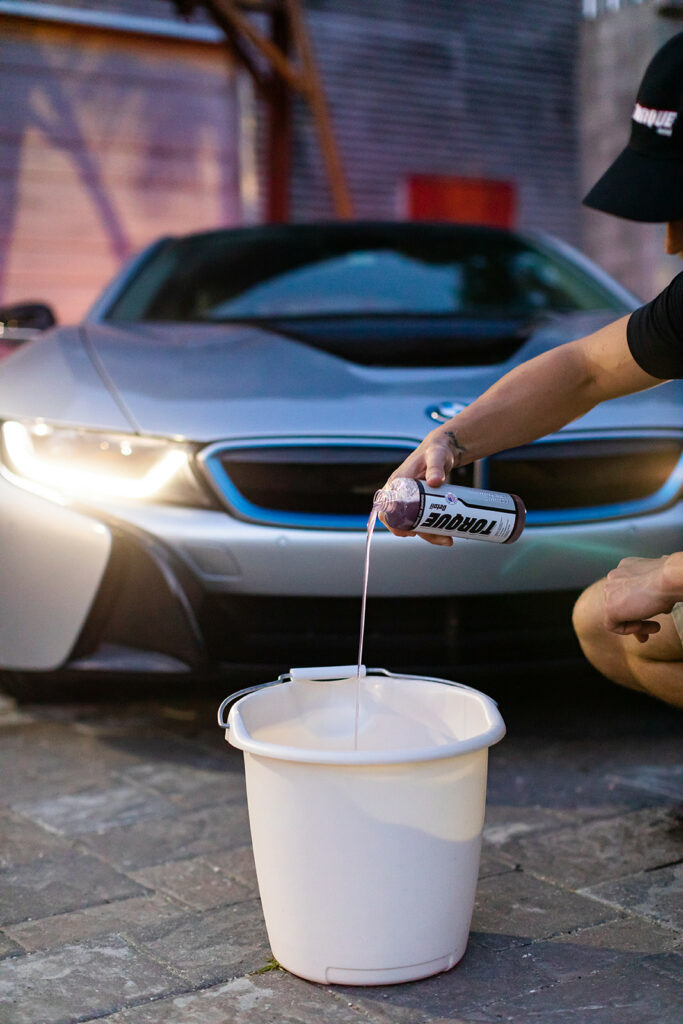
(204, 383)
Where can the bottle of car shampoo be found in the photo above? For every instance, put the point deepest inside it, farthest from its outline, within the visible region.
(451, 510)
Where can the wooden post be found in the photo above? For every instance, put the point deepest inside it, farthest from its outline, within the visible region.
(279, 147)
(315, 95)
(254, 49)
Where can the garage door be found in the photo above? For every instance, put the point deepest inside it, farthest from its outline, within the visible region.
(107, 140)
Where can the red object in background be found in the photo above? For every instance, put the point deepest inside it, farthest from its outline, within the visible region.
(463, 200)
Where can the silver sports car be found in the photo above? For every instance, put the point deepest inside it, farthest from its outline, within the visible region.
(185, 477)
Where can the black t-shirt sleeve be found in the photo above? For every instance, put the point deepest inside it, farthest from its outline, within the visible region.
(655, 333)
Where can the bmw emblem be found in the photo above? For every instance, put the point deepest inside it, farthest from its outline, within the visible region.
(443, 411)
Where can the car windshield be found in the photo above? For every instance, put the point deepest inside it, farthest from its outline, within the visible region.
(304, 272)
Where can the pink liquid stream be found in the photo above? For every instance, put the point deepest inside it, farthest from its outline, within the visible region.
(366, 571)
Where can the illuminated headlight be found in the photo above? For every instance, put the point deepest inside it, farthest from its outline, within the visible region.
(89, 464)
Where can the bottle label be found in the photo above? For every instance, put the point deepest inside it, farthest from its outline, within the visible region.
(451, 510)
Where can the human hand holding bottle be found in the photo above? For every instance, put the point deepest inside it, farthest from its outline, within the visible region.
(432, 461)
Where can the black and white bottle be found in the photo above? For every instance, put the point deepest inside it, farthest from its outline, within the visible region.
(451, 510)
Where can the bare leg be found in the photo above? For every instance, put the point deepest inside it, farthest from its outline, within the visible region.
(655, 667)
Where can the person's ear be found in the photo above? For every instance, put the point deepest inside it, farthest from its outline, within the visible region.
(674, 238)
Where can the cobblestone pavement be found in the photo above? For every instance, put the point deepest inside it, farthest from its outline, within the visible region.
(128, 894)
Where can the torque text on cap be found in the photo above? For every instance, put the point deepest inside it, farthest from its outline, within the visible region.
(662, 120)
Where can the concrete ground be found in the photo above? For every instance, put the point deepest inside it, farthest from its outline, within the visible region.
(128, 895)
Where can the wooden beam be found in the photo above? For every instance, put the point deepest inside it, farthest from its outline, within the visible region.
(270, 51)
(341, 196)
(288, 30)
(261, 80)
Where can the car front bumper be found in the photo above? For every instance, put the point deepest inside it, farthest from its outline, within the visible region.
(152, 588)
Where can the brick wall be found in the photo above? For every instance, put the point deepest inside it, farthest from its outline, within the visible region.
(107, 140)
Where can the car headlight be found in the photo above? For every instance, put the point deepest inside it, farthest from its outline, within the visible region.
(90, 464)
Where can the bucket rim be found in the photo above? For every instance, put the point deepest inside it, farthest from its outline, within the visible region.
(239, 736)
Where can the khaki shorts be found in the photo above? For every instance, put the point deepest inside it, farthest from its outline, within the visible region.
(677, 616)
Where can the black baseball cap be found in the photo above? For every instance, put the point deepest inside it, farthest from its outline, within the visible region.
(645, 182)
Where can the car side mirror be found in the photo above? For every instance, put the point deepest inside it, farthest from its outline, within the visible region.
(35, 316)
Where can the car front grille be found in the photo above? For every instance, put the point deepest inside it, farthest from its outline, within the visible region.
(330, 485)
(604, 477)
(315, 485)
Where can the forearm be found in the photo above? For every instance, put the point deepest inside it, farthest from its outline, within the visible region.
(531, 401)
(534, 399)
(672, 579)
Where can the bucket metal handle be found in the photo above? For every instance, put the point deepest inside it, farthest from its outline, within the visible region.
(322, 673)
(331, 673)
(426, 679)
(223, 723)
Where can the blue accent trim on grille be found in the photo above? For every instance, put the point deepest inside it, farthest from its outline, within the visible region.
(211, 459)
(663, 497)
(276, 517)
(244, 509)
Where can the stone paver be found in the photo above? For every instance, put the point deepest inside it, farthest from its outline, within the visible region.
(39, 760)
(490, 865)
(22, 840)
(72, 982)
(561, 780)
(528, 908)
(95, 809)
(504, 822)
(128, 891)
(627, 995)
(665, 781)
(669, 964)
(485, 976)
(188, 835)
(195, 882)
(8, 947)
(237, 863)
(630, 934)
(215, 945)
(657, 894)
(595, 851)
(188, 785)
(139, 917)
(56, 884)
(271, 998)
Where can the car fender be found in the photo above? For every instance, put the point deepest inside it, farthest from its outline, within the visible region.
(52, 559)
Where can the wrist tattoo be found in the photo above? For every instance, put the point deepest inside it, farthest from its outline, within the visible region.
(458, 451)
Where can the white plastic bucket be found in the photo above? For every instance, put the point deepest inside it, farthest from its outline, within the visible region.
(367, 859)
